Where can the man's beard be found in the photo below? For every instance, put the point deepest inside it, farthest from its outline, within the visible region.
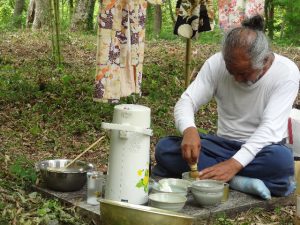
(247, 83)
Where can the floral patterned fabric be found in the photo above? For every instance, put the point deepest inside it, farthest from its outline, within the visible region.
(232, 12)
(121, 29)
(193, 17)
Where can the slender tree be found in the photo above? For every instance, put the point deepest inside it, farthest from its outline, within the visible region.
(52, 29)
(157, 20)
(282, 27)
(171, 12)
(19, 6)
(57, 30)
(271, 21)
(71, 9)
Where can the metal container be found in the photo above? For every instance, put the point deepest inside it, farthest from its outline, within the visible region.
(72, 178)
(117, 213)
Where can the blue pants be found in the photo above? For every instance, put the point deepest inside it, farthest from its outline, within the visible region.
(274, 164)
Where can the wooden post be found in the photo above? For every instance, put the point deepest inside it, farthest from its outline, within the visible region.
(187, 63)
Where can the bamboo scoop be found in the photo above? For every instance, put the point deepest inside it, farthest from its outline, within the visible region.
(194, 171)
(49, 168)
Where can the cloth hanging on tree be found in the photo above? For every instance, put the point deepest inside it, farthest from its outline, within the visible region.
(193, 17)
(232, 12)
(120, 48)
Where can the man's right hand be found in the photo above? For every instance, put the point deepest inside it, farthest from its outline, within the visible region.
(191, 145)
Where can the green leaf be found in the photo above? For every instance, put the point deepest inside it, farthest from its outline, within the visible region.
(146, 188)
(32, 195)
(22, 198)
(146, 173)
(277, 210)
(1, 206)
(202, 131)
(40, 211)
(28, 222)
(140, 184)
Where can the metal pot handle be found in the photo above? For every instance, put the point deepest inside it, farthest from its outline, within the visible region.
(126, 127)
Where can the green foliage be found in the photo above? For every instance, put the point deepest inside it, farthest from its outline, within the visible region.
(289, 10)
(19, 207)
(222, 219)
(6, 13)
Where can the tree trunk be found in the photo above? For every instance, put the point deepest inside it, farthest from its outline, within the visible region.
(157, 20)
(91, 15)
(271, 22)
(30, 13)
(82, 16)
(266, 16)
(41, 19)
(171, 12)
(19, 6)
(149, 19)
(282, 27)
(71, 9)
(57, 29)
(51, 16)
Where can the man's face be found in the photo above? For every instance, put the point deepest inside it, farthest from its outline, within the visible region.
(242, 70)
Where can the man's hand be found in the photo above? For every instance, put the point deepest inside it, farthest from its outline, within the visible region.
(191, 145)
(223, 171)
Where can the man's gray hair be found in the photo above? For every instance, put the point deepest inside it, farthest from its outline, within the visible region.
(257, 48)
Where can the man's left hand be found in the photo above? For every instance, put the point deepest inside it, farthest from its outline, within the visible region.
(223, 171)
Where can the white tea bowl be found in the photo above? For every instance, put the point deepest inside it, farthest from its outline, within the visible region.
(208, 186)
(167, 201)
(177, 182)
(175, 190)
(205, 199)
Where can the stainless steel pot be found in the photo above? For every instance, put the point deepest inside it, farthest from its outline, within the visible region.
(120, 213)
(72, 178)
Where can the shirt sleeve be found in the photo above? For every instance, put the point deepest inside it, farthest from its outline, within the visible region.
(273, 124)
(197, 94)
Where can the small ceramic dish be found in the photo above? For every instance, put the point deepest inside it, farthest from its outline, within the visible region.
(175, 190)
(186, 176)
(209, 186)
(205, 199)
(179, 182)
(151, 182)
(167, 201)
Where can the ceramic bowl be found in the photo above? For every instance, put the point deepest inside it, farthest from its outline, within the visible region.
(205, 199)
(167, 201)
(209, 186)
(178, 182)
(175, 190)
(186, 176)
(151, 182)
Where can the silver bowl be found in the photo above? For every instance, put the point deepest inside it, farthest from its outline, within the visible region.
(72, 178)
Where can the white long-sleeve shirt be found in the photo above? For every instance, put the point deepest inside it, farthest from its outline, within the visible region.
(256, 115)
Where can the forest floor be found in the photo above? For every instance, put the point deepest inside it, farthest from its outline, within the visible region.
(48, 112)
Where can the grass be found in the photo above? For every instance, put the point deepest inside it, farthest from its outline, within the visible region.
(48, 112)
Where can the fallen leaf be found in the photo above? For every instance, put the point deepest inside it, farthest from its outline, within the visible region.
(19, 211)
(274, 217)
(32, 200)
